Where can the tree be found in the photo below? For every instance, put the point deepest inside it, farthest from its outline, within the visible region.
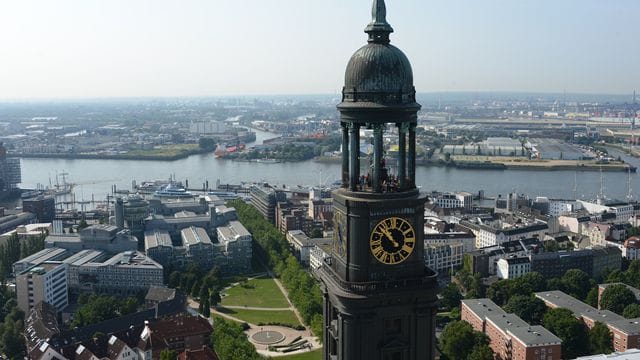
(450, 297)
(616, 298)
(529, 308)
(231, 342)
(214, 298)
(458, 340)
(577, 283)
(129, 306)
(207, 144)
(632, 311)
(206, 307)
(167, 354)
(11, 342)
(499, 292)
(592, 297)
(481, 352)
(97, 308)
(572, 331)
(82, 224)
(600, 339)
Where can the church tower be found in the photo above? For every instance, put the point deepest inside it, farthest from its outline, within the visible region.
(379, 298)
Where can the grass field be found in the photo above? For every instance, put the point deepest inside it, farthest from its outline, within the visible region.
(262, 292)
(166, 150)
(312, 355)
(262, 316)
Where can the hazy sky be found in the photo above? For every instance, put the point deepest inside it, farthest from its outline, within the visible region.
(107, 48)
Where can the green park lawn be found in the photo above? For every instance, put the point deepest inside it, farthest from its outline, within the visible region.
(261, 292)
(312, 355)
(262, 316)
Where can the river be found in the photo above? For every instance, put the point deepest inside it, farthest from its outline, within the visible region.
(95, 177)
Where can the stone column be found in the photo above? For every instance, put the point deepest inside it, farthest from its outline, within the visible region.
(354, 151)
(377, 157)
(345, 155)
(402, 155)
(412, 155)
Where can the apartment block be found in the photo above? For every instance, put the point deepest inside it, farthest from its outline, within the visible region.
(625, 332)
(509, 336)
(46, 282)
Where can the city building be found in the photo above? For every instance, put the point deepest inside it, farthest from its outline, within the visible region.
(236, 242)
(618, 355)
(509, 336)
(380, 299)
(50, 254)
(10, 222)
(43, 207)
(317, 256)
(501, 232)
(97, 237)
(302, 245)
(448, 238)
(265, 198)
(10, 173)
(444, 257)
(631, 248)
(28, 231)
(125, 274)
(198, 245)
(174, 224)
(45, 282)
(158, 246)
(592, 261)
(513, 267)
(625, 332)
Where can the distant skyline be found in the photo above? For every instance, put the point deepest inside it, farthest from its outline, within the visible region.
(93, 48)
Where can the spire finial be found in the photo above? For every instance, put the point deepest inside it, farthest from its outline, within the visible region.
(378, 29)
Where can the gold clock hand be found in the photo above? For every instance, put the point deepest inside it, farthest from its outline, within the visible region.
(389, 236)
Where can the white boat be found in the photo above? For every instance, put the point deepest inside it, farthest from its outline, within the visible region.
(173, 190)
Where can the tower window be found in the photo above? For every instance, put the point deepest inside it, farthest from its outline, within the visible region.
(392, 326)
(396, 355)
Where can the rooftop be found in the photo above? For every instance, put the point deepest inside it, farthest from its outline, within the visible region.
(195, 235)
(155, 238)
(483, 307)
(534, 335)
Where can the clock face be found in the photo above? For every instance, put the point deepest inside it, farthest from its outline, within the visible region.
(392, 240)
(339, 234)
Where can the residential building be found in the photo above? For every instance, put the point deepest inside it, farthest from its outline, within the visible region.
(178, 334)
(509, 336)
(318, 255)
(318, 207)
(45, 282)
(467, 239)
(631, 248)
(618, 355)
(237, 242)
(444, 257)
(495, 235)
(625, 332)
(513, 267)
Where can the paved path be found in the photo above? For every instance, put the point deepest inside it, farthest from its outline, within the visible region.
(256, 308)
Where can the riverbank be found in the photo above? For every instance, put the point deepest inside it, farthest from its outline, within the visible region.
(495, 163)
(161, 154)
